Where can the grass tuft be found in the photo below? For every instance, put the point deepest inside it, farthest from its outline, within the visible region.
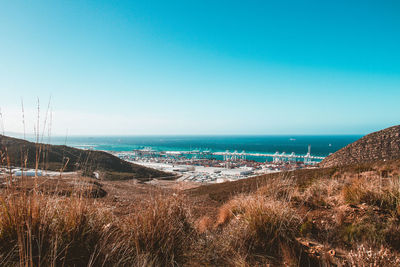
(46, 230)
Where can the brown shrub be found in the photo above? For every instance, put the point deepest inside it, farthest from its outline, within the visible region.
(160, 233)
(204, 224)
(321, 193)
(229, 210)
(262, 227)
(280, 188)
(269, 224)
(383, 193)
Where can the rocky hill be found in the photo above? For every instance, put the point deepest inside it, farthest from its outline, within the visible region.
(377, 146)
(18, 152)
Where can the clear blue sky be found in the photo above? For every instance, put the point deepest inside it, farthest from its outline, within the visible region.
(202, 67)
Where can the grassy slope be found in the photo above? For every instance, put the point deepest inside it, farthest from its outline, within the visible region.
(223, 192)
(339, 215)
(19, 152)
(347, 216)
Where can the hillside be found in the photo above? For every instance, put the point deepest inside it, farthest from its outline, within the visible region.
(347, 215)
(378, 146)
(18, 152)
(336, 216)
(220, 193)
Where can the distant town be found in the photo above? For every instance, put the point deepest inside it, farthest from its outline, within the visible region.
(205, 166)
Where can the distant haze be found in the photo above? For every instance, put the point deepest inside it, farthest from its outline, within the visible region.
(204, 67)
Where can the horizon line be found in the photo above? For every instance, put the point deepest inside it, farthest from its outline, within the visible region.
(12, 134)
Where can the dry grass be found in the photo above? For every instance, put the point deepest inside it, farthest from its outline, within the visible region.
(364, 256)
(38, 229)
(204, 224)
(321, 193)
(42, 230)
(269, 225)
(259, 228)
(49, 231)
(160, 233)
(381, 192)
(341, 211)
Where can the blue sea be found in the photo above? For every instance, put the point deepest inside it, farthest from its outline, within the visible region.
(321, 145)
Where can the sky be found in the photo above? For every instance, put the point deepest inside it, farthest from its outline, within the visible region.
(200, 67)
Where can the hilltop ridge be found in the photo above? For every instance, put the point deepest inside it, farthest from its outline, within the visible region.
(19, 152)
(377, 146)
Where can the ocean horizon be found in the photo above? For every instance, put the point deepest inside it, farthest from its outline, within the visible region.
(321, 145)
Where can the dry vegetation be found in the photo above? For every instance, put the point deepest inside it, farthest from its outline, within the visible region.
(323, 217)
(346, 216)
(38, 229)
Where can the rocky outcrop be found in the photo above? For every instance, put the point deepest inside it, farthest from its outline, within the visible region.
(377, 146)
